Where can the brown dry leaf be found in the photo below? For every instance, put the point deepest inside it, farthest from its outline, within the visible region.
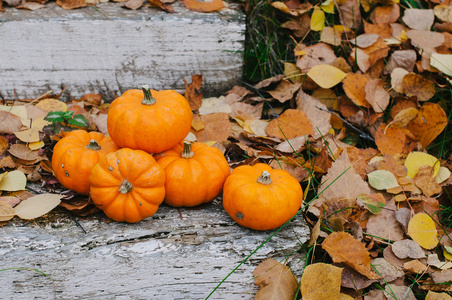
(403, 216)
(193, 92)
(217, 127)
(415, 267)
(392, 259)
(437, 296)
(318, 54)
(31, 6)
(429, 123)
(23, 152)
(331, 36)
(321, 281)
(354, 280)
(383, 30)
(407, 249)
(268, 81)
(351, 14)
(390, 140)
(3, 145)
(355, 87)
(375, 295)
(164, 6)
(9, 123)
(100, 121)
(387, 271)
(285, 90)
(393, 291)
(28, 135)
(359, 158)
(299, 27)
(6, 211)
(214, 105)
(239, 109)
(419, 19)
(290, 124)
(404, 117)
(386, 14)
(292, 145)
(376, 95)
(443, 12)
(317, 112)
(416, 85)
(442, 277)
(71, 4)
(342, 247)
(276, 281)
(377, 51)
(365, 40)
(426, 182)
(7, 162)
(204, 5)
(295, 10)
(385, 224)
(405, 59)
(293, 167)
(197, 123)
(133, 4)
(425, 39)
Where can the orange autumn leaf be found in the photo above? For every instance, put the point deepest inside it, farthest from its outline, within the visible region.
(321, 281)
(193, 92)
(386, 14)
(204, 6)
(428, 124)
(390, 140)
(290, 124)
(342, 247)
(355, 87)
(416, 85)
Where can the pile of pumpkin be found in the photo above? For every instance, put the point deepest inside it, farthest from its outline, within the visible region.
(144, 161)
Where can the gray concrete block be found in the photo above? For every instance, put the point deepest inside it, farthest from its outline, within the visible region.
(113, 49)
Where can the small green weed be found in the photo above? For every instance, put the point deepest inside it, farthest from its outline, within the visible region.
(64, 120)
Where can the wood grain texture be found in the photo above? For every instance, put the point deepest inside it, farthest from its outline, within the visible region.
(162, 257)
(113, 49)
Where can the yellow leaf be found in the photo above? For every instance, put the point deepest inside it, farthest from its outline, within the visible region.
(404, 117)
(292, 72)
(210, 143)
(443, 62)
(437, 296)
(317, 19)
(36, 145)
(321, 281)
(447, 255)
(39, 123)
(28, 136)
(328, 6)
(13, 181)
(52, 105)
(443, 175)
(422, 230)
(326, 76)
(415, 159)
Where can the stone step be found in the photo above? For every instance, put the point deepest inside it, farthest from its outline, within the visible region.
(111, 49)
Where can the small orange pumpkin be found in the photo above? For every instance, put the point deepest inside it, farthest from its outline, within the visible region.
(128, 185)
(75, 155)
(261, 198)
(195, 173)
(149, 120)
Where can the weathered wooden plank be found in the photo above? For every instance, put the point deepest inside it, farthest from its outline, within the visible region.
(113, 49)
(162, 257)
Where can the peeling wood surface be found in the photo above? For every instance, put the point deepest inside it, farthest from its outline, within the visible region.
(113, 49)
(162, 257)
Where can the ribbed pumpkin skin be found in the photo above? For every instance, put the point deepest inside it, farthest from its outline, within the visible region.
(138, 168)
(196, 180)
(72, 161)
(259, 206)
(152, 128)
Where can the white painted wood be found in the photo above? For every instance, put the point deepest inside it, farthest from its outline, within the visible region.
(116, 49)
(162, 257)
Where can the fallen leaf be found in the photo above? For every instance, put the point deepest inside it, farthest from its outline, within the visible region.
(442, 277)
(390, 140)
(193, 92)
(355, 88)
(376, 95)
(71, 4)
(373, 204)
(386, 14)
(387, 271)
(317, 19)
(164, 6)
(52, 104)
(214, 105)
(285, 90)
(326, 76)
(407, 249)
(290, 124)
(31, 6)
(316, 112)
(6, 212)
(28, 136)
(443, 12)
(404, 117)
(9, 123)
(428, 124)
(133, 4)
(36, 145)
(425, 180)
(425, 39)
(13, 181)
(37, 206)
(433, 260)
(354, 280)
(365, 40)
(385, 225)
(393, 291)
(331, 36)
(403, 216)
(442, 62)
(419, 19)
(23, 152)
(274, 279)
(204, 5)
(351, 13)
(416, 85)
(320, 281)
(443, 175)
(415, 267)
(423, 231)
(317, 54)
(382, 180)
(397, 76)
(217, 127)
(404, 59)
(342, 247)
(437, 296)
(416, 159)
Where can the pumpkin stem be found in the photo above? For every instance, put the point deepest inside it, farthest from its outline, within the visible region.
(187, 152)
(93, 145)
(125, 187)
(264, 178)
(148, 98)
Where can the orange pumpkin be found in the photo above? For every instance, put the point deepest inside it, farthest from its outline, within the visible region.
(195, 173)
(128, 185)
(149, 120)
(261, 198)
(75, 155)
